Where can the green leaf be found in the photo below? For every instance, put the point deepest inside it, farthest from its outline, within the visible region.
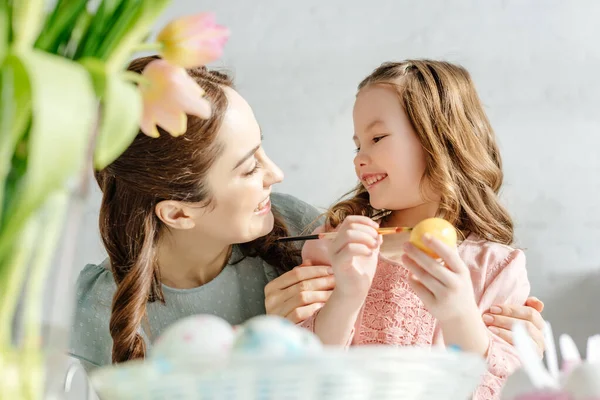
(149, 11)
(64, 110)
(50, 22)
(59, 25)
(27, 18)
(97, 70)
(4, 29)
(82, 25)
(52, 215)
(120, 122)
(51, 17)
(15, 111)
(13, 270)
(102, 22)
(120, 113)
(121, 23)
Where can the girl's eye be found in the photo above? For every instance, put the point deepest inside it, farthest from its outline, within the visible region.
(375, 140)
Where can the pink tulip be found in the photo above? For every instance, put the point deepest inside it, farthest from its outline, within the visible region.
(193, 41)
(169, 95)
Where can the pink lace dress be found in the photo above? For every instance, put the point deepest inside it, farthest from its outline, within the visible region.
(393, 314)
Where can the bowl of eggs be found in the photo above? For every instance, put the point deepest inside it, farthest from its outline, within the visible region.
(203, 357)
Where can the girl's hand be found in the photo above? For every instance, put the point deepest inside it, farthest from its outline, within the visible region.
(446, 289)
(353, 254)
(444, 285)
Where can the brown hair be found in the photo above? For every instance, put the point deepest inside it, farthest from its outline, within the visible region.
(149, 171)
(463, 161)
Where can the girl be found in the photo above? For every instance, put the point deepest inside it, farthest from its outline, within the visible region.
(425, 148)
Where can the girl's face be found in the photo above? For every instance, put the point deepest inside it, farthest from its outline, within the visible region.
(390, 161)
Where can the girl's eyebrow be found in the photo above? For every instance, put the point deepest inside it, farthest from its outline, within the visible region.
(370, 126)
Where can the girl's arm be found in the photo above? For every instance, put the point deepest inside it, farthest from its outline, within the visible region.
(448, 292)
(353, 256)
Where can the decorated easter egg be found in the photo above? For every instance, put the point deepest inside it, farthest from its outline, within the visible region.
(584, 381)
(436, 227)
(269, 334)
(197, 335)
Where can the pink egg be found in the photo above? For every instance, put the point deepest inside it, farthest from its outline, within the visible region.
(198, 335)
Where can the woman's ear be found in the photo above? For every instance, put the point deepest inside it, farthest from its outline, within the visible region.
(174, 214)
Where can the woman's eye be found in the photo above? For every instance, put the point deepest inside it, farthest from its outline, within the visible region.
(254, 169)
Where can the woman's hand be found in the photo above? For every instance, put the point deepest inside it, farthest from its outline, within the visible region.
(299, 293)
(500, 319)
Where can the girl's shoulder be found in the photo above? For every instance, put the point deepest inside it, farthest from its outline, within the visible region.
(488, 258)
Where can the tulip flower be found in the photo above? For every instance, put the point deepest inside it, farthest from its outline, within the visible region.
(169, 94)
(193, 41)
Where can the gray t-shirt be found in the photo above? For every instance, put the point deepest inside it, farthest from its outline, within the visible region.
(235, 295)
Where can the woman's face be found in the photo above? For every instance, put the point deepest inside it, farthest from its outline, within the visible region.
(239, 182)
(241, 179)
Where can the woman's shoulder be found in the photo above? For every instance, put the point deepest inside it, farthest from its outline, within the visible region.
(299, 216)
(90, 335)
(95, 284)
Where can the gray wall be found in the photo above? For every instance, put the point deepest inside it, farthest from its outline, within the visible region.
(535, 63)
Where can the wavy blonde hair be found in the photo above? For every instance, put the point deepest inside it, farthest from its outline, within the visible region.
(463, 161)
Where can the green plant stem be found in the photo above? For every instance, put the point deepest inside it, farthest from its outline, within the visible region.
(27, 17)
(55, 210)
(15, 113)
(149, 46)
(136, 33)
(32, 374)
(10, 378)
(64, 272)
(135, 77)
(15, 269)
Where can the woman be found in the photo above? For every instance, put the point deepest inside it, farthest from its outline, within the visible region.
(189, 224)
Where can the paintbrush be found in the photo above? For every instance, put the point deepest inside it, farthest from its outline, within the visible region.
(332, 235)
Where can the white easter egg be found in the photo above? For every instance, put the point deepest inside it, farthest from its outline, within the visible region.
(197, 335)
(268, 334)
(584, 381)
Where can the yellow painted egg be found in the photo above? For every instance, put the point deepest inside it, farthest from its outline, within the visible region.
(436, 227)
